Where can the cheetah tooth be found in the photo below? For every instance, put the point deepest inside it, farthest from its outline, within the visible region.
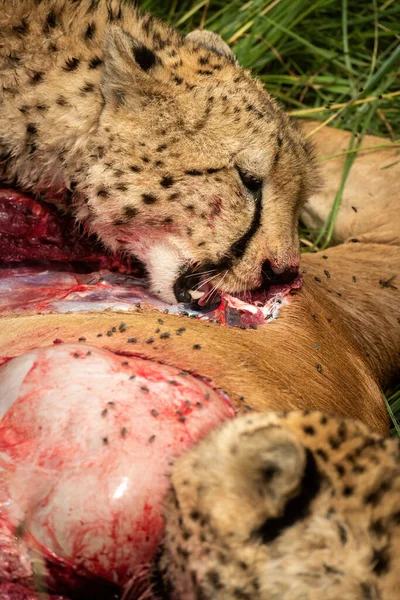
(196, 295)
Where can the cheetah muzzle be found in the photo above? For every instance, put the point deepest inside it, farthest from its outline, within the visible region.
(160, 144)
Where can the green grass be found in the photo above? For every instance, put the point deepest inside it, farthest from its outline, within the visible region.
(392, 399)
(336, 61)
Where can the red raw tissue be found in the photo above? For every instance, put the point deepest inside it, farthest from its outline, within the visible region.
(37, 231)
(86, 443)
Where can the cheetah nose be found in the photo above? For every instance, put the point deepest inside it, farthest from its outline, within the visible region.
(271, 277)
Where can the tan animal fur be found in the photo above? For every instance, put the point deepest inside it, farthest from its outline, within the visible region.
(161, 144)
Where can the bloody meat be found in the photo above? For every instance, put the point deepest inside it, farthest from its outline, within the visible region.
(31, 230)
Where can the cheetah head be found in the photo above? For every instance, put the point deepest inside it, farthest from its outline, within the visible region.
(297, 506)
(196, 170)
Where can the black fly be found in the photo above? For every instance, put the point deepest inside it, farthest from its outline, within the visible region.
(388, 283)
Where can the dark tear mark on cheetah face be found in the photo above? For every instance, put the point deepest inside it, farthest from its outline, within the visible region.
(194, 168)
(295, 506)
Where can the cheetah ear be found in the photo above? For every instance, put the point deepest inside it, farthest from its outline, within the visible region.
(271, 462)
(212, 41)
(127, 63)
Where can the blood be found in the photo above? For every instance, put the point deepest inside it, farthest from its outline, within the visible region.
(37, 231)
(216, 206)
(14, 591)
(92, 511)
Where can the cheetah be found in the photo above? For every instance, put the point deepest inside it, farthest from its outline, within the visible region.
(284, 506)
(160, 144)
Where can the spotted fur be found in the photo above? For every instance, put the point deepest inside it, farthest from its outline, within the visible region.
(161, 144)
(293, 506)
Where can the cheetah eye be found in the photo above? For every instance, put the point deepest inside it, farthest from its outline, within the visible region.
(252, 183)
